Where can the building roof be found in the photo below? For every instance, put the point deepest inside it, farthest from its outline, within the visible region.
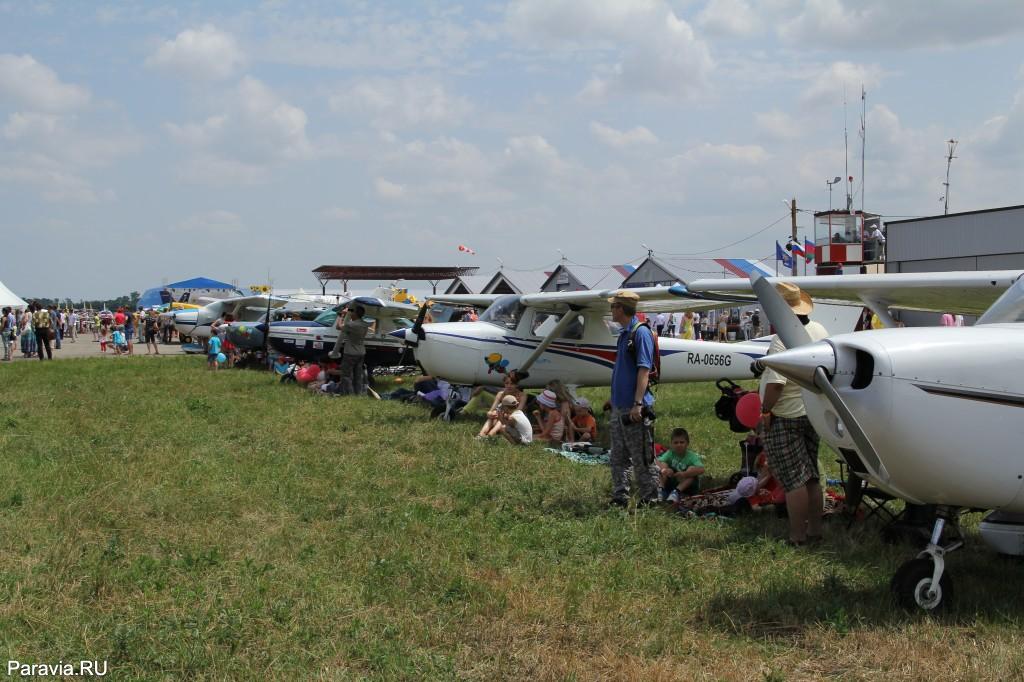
(470, 284)
(954, 215)
(527, 282)
(390, 273)
(199, 283)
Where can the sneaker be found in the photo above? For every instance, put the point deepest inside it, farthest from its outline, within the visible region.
(662, 495)
(334, 355)
(673, 497)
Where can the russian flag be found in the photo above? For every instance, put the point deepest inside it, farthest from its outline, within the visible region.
(796, 248)
(808, 250)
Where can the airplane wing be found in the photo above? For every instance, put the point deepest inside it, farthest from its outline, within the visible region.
(942, 292)
(652, 300)
(378, 308)
(475, 300)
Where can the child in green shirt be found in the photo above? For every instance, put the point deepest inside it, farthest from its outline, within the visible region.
(679, 468)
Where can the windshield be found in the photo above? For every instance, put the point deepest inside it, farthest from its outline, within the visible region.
(327, 318)
(506, 311)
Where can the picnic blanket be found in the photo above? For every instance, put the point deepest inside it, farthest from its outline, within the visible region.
(582, 457)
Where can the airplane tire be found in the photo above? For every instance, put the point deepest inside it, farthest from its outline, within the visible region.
(910, 586)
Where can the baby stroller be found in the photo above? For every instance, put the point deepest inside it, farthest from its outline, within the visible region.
(725, 407)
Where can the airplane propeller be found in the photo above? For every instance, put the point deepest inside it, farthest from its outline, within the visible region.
(806, 363)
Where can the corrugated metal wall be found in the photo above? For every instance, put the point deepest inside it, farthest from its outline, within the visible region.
(970, 234)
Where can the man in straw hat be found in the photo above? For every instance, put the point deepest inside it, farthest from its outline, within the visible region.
(792, 441)
(632, 431)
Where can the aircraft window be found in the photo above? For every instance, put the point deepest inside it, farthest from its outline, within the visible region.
(402, 323)
(327, 318)
(506, 311)
(614, 328)
(543, 323)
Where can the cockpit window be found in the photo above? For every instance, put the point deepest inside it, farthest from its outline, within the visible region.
(506, 312)
(327, 318)
(544, 324)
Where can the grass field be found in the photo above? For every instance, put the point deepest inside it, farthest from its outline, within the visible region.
(179, 523)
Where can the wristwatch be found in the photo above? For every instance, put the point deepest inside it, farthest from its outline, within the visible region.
(638, 403)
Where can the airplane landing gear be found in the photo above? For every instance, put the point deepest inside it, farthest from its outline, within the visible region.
(923, 582)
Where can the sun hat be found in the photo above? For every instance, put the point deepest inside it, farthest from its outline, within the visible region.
(799, 301)
(627, 297)
(548, 399)
(510, 401)
(583, 402)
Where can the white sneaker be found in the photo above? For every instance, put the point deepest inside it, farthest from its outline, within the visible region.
(673, 497)
(662, 496)
(334, 355)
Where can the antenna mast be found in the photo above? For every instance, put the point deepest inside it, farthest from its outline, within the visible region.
(951, 144)
(846, 154)
(863, 141)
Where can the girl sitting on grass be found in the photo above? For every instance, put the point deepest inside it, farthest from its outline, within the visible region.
(584, 425)
(552, 423)
(492, 427)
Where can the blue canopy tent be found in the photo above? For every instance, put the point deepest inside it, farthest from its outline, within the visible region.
(190, 289)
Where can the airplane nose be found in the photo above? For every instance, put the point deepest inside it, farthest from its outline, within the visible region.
(799, 364)
(398, 334)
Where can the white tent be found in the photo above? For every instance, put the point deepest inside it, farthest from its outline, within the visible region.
(9, 298)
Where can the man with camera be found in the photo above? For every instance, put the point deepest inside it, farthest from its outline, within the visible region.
(631, 405)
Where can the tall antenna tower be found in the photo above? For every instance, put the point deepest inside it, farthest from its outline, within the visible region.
(951, 145)
(863, 140)
(846, 154)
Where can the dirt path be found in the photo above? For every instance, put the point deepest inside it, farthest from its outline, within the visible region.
(85, 347)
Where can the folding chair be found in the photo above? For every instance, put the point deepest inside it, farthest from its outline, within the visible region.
(875, 500)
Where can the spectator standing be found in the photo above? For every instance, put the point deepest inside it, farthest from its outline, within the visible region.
(55, 330)
(151, 326)
(632, 432)
(41, 325)
(660, 320)
(350, 347)
(73, 326)
(129, 332)
(791, 439)
(8, 330)
(28, 335)
(723, 326)
(696, 325)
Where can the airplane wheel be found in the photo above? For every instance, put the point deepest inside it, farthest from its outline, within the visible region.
(912, 582)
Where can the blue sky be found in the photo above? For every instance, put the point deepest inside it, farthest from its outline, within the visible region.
(141, 141)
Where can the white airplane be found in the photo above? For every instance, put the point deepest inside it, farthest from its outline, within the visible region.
(197, 322)
(567, 336)
(926, 414)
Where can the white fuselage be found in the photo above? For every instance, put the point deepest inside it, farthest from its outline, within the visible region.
(942, 408)
(479, 353)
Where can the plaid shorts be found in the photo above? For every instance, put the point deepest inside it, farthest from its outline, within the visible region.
(792, 451)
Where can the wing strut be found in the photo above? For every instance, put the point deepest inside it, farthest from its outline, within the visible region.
(880, 309)
(568, 318)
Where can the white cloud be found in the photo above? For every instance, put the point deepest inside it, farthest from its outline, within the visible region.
(827, 86)
(206, 53)
(338, 214)
(536, 153)
(744, 154)
(914, 23)
(211, 222)
(729, 18)
(387, 190)
(402, 102)
(30, 85)
(60, 138)
(257, 130)
(53, 182)
(777, 124)
(621, 139)
(654, 51)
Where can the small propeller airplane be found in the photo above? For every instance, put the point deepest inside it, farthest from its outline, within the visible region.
(566, 336)
(196, 323)
(904, 405)
(311, 340)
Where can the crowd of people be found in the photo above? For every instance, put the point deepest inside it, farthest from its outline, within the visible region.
(38, 330)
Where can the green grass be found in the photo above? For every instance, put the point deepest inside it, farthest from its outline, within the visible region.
(180, 523)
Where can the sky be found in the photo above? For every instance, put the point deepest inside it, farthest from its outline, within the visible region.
(147, 142)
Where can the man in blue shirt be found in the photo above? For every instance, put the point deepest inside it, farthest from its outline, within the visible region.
(632, 433)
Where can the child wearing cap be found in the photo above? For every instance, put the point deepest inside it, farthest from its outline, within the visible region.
(584, 425)
(552, 423)
(679, 468)
(515, 427)
(118, 338)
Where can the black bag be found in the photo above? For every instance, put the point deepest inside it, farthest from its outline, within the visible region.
(725, 406)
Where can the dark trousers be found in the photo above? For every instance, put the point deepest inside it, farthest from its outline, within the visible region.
(43, 339)
(351, 370)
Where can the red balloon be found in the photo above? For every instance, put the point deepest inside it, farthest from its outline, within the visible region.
(748, 409)
(307, 374)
